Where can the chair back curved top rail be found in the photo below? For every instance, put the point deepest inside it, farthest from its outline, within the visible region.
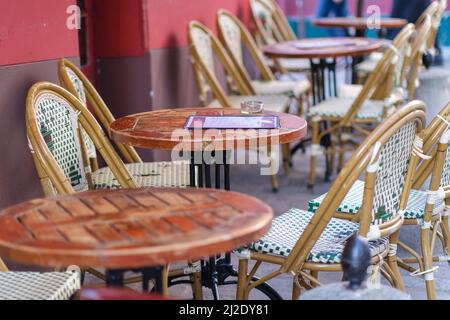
(387, 75)
(265, 28)
(429, 11)
(432, 134)
(418, 49)
(204, 46)
(234, 36)
(52, 118)
(72, 79)
(383, 156)
(280, 20)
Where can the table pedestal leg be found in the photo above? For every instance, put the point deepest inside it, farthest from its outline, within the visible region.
(323, 76)
(216, 270)
(115, 278)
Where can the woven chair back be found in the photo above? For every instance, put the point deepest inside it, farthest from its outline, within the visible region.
(234, 36)
(386, 75)
(204, 47)
(387, 156)
(266, 31)
(73, 80)
(432, 136)
(53, 116)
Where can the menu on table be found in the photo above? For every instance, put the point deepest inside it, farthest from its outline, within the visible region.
(321, 44)
(233, 122)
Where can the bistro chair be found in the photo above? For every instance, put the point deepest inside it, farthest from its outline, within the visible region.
(54, 117)
(280, 20)
(39, 286)
(234, 36)
(433, 10)
(304, 244)
(426, 209)
(335, 122)
(151, 174)
(407, 81)
(270, 26)
(203, 47)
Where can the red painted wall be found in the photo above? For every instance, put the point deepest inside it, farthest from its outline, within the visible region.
(133, 27)
(119, 28)
(167, 20)
(309, 8)
(33, 30)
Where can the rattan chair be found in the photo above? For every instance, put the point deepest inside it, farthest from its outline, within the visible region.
(151, 174)
(204, 46)
(235, 37)
(26, 286)
(425, 208)
(54, 117)
(412, 63)
(435, 11)
(333, 120)
(270, 26)
(304, 243)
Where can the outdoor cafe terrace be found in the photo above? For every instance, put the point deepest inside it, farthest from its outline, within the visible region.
(224, 150)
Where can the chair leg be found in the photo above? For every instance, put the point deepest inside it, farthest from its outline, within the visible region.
(427, 262)
(274, 170)
(342, 143)
(314, 274)
(315, 131)
(392, 261)
(287, 158)
(3, 267)
(296, 289)
(446, 234)
(242, 279)
(197, 288)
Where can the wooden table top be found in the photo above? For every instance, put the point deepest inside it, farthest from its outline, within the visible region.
(358, 22)
(322, 48)
(130, 229)
(155, 130)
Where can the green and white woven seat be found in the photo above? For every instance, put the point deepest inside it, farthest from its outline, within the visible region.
(276, 87)
(353, 201)
(349, 90)
(338, 107)
(57, 122)
(38, 286)
(292, 65)
(369, 64)
(151, 174)
(271, 103)
(287, 228)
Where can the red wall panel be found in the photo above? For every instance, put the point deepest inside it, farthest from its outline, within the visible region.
(119, 29)
(33, 30)
(167, 20)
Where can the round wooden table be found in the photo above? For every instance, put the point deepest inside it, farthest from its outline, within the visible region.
(130, 230)
(164, 130)
(358, 23)
(323, 71)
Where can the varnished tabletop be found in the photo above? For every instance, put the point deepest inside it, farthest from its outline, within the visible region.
(313, 48)
(164, 129)
(357, 23)
(125, 229)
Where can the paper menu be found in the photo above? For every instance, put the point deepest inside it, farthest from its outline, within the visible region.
(233, 122)
(321, 45)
